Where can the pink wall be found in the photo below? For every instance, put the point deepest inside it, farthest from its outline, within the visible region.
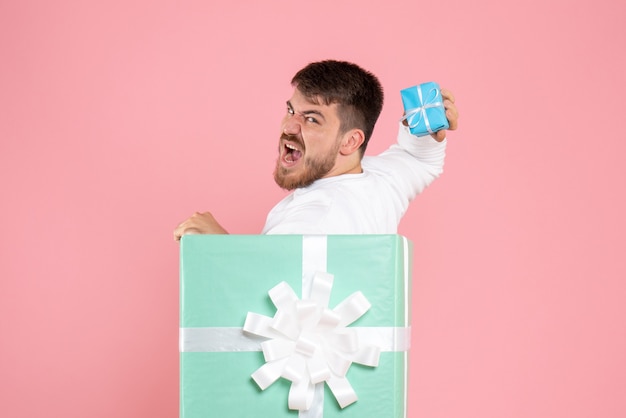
(119, 120)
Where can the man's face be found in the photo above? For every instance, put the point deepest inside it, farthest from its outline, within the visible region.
(309, 142)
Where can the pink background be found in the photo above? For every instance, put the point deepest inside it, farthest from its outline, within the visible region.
(119, 119)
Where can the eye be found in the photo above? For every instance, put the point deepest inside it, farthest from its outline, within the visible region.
(311, 119)
(290, 111)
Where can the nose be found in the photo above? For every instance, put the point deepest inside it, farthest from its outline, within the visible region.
(292, 124)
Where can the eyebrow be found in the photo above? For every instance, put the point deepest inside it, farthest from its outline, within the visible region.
(307, 112)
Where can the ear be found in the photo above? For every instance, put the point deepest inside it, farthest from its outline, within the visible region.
(352, 141)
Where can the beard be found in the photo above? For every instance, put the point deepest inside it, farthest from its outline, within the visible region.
(312, 169)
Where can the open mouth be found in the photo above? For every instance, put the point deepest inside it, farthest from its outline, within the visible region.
(291, 154)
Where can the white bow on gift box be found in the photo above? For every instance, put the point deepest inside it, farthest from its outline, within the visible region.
(310, 343)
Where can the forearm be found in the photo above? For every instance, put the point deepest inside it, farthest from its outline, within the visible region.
(415, 162)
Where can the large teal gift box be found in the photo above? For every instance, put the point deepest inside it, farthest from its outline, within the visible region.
(223, 278)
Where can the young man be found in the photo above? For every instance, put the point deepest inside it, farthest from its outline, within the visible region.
(336, 190)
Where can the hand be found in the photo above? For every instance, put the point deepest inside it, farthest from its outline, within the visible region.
(452, 114)
(199, 223)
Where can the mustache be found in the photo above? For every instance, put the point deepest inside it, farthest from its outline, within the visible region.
(292, 138)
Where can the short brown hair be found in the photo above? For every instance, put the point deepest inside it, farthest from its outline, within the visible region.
(357, 92)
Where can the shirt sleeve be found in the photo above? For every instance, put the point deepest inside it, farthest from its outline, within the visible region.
(414, 162)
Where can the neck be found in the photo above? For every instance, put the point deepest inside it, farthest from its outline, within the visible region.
(346, 165)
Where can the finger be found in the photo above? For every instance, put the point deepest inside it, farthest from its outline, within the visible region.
(179, 231)
(185, 230)
(439, 135)
(448, 105)
(452, 114)
(447, 95)
(453, 118)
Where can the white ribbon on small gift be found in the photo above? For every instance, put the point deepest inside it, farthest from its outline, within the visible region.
(420, 111)
(303, 357)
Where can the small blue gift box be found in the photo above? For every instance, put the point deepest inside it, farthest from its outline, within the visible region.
(423, 107)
